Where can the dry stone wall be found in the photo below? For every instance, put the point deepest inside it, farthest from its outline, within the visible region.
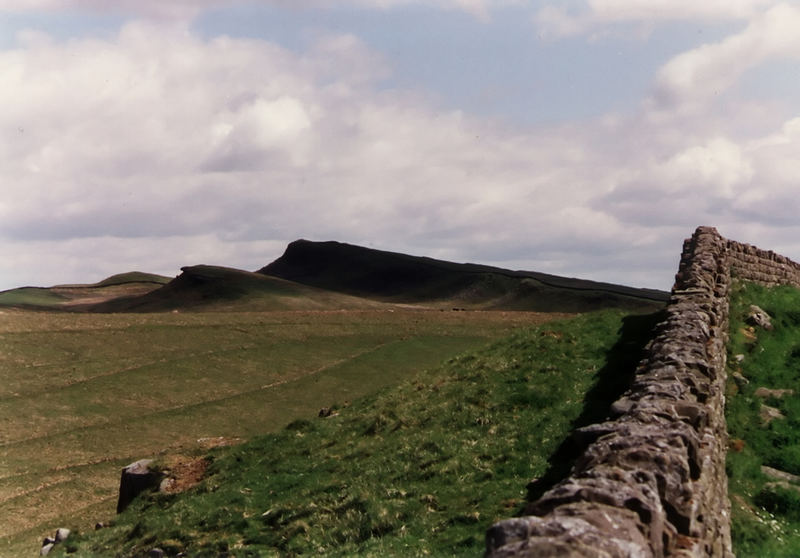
(651, 480)
(748, 263)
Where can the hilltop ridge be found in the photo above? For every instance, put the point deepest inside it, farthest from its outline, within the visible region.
(210, 287)
(334, 275)
(396, 277)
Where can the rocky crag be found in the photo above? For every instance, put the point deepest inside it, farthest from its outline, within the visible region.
(651, 480)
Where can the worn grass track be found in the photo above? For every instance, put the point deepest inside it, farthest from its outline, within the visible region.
(82, 395)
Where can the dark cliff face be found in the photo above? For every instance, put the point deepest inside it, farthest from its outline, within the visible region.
(399, 277)
(354, 269)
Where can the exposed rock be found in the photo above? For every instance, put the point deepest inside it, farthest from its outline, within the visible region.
(768, 414)
(49, 543)
(779, 475)
(62, 534)
(136, 478)
(757, 317)
(776, 393)
(155, 553)
(167, 485)
(740, 379)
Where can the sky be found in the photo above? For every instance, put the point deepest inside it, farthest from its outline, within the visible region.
(583, 138)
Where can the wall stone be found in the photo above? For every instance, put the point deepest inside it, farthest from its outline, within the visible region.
(651, 480)
(748, 263)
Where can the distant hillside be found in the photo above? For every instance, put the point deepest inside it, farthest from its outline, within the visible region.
(333, 275)
(134, 283)
(31, 296)
(395, 277)
(133, 277)
(222, 288)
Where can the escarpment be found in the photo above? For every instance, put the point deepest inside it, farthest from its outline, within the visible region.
(651, 480)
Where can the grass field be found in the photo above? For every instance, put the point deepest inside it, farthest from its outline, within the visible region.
(766, 509)
(82, 395)
(421, 468)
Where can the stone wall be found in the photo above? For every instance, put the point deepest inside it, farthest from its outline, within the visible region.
(651, 480)
(748, 263)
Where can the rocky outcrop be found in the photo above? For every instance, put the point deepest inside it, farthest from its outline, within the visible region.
(136, 478)
(651, 480)
(49, 543)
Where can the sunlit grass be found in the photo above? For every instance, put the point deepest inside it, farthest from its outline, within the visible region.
(82, 395)
(420, 469)
(766, 512)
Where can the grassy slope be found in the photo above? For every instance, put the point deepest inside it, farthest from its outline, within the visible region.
(766, 520)
(133, 277)
(31, 296)
(420, 469)
(83, 394)
(134, 283)
(213, 288)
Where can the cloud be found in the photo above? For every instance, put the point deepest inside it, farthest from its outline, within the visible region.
(72, 260)
(554, 20)
(156, 133)
(697, 76)
(156, 148)
(169, 10)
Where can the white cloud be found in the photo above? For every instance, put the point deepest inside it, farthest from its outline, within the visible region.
(716, 167)
(76, 260)
(697, 76)
(171, 9)
(155, 149)
(156, 133)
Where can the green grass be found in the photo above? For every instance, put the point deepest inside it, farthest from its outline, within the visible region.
(133, 277)
(422, 468)
(30, 296)
(766, 517)
(83, 394)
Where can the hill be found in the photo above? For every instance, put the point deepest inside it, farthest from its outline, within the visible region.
(66, 297)
(400, 278)
(217, 288)
(333, 275)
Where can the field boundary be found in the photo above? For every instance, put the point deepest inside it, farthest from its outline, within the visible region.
(651, 480)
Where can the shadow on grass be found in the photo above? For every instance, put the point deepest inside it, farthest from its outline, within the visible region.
(612, 381)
